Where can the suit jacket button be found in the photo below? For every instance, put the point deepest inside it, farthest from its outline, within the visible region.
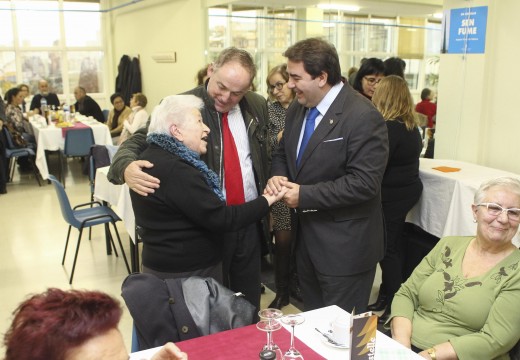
(185, 329)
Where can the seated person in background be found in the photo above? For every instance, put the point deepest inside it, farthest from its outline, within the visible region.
(183, 222)
(3, 142)
(117, 115)
(52, 98)
(137, 118)
(14, 115)
(427, 107)
(87, 106)
(25, 93)
(71, 325)
(462, 301)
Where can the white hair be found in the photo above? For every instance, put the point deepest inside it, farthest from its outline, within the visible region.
(512, 184)
(171, 110)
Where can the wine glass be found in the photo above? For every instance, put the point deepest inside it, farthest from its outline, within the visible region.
(293, 320)
(270, 323)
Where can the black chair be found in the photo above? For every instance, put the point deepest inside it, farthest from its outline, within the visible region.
(83, 218)
(12, 153)
(77, 143)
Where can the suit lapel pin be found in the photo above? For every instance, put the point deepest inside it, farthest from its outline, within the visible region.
(331, 121)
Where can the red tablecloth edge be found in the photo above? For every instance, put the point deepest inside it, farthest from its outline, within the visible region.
(76, 126)
(240, 344)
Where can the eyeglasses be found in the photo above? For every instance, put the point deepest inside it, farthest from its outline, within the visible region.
(496, 210)
(372, 80)
(278, 86)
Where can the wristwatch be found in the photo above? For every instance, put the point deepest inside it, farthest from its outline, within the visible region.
(431, 352)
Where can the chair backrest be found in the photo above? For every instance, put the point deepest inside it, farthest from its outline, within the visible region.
(105, 114)
(78, 142)
(99, 157)
(10, 143)
(66, 209)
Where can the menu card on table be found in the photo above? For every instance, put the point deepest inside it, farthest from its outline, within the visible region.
(364, 329)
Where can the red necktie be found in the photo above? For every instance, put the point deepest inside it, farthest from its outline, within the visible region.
(232, 171)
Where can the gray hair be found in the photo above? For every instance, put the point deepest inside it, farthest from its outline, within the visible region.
(171, 110)
(510, 183)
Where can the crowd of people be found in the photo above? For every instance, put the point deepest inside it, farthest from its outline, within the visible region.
(337, 165)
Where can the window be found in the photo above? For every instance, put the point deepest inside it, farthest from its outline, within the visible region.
(50, 42)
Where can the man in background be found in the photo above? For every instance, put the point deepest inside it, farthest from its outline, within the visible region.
(87, 106)
(51, 98)
(238, 151)
(332, 157)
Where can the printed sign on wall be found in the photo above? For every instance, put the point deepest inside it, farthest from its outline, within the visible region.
(465, 30)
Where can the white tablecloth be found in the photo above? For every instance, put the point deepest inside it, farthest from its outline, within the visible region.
(51, 138)
(445, 205)
(118, 196)
(386, 348)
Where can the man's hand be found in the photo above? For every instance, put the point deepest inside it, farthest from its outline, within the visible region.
(274, 185)
(139, 181)
(170, 352)
(292, 196)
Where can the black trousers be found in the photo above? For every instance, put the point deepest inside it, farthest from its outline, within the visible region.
(392, 265)
(241, 263)
(319, 290)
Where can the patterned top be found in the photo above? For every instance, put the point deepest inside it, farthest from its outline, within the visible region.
(14, 116)
(479, 315)
(281, 214)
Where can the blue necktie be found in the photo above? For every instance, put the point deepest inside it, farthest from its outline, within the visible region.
(307, 133)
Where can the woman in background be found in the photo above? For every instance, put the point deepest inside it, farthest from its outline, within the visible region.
(117, 116)
(137, 119)
(25, 93)
(401, 186)
(280, 97)
(368, 76)
(461, 301)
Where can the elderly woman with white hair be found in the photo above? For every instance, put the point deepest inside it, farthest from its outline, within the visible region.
(462, 301)
(182, 222)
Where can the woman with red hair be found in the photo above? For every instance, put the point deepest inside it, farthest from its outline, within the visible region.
(70, 325)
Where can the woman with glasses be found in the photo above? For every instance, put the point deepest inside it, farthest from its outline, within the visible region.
(462, 300)
(280, 97)
(368, 76)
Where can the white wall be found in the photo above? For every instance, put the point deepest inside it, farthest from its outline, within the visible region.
(478, 120)
(154, 26)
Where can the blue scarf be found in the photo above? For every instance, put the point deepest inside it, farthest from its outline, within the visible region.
(175, 147)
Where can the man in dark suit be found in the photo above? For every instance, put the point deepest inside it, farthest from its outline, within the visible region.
(87, 106)
(334, 179)
(51, 98)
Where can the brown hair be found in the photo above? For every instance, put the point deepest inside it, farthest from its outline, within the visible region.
(393, 100)
(141, 99)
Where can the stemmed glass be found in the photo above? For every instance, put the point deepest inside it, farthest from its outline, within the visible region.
(293, 320)
(270, 323)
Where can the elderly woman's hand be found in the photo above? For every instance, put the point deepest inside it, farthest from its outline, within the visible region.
(272, 198)
(170, 352)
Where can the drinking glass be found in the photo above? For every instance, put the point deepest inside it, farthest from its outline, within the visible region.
(270, 323)
(293, 320)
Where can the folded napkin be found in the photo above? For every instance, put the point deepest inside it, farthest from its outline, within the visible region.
(446, 169)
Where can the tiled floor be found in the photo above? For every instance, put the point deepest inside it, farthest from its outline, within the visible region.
(32, 239)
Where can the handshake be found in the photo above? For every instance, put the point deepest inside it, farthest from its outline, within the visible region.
(280, 188)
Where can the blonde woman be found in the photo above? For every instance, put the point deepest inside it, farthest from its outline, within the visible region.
(401, 186)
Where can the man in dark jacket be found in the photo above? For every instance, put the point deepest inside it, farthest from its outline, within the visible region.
(51, 98)
(226, 95)
(87, 106)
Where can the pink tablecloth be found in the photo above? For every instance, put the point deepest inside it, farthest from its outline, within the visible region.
(243, 343)
(76, 126)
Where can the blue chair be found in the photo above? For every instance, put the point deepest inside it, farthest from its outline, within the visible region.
(105, 114)
(83, 218)
(77, 143)
(12, 153)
